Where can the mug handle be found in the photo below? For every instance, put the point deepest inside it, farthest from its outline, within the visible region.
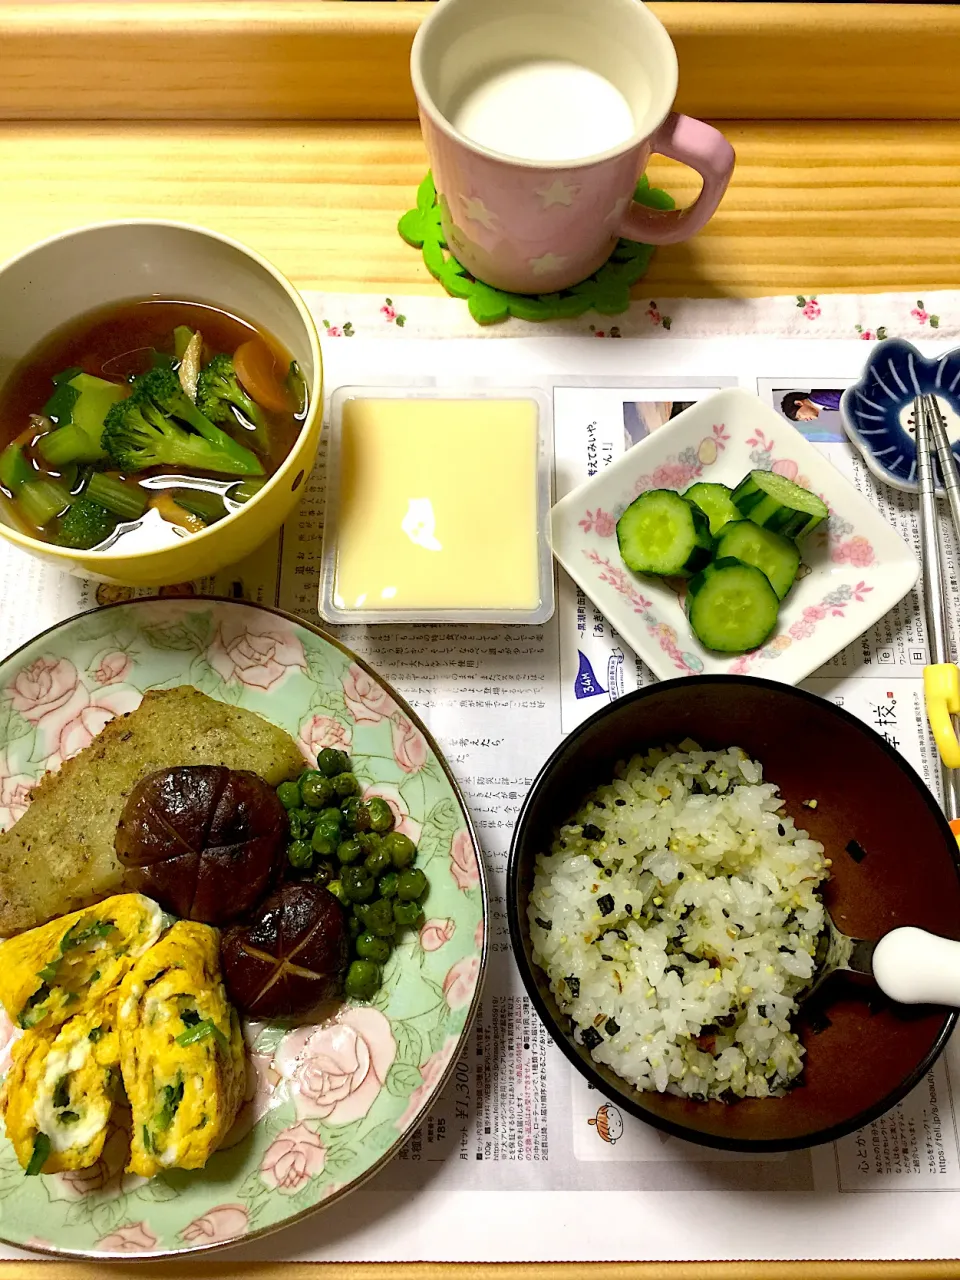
(699, 145)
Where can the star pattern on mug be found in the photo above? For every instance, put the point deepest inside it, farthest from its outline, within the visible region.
(618, 209)
(549, 262)
(476, 211)
(558, 192)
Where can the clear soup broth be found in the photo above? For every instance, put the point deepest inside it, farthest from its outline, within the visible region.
(147, 421)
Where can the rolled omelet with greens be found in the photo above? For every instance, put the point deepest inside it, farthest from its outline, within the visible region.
(181, 1052)
(69, 966)
(60, 1089)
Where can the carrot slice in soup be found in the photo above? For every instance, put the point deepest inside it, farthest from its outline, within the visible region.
(262, 377)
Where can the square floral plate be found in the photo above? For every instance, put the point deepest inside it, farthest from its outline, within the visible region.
(855, 567)
(326, 1106)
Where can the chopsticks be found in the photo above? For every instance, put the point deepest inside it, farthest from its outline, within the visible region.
(941, 677)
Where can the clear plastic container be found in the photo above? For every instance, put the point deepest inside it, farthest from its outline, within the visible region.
(438, 500)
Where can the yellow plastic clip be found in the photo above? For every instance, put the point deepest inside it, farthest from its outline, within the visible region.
(941, 687)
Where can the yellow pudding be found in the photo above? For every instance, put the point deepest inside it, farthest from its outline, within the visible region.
(437, 505)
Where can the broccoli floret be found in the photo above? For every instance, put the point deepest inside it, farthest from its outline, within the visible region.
(85, 525)
(161, 389)
(219, 392)
(161, 386)
(137, 435)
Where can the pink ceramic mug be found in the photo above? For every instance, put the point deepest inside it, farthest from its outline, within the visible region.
(538, 117)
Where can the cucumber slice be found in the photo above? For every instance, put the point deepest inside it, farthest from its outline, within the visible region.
(778, 504)
(771, 553)
(662, 533)
(716, 503)
(731, 606)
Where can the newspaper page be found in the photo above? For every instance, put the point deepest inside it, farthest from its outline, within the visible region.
(500, 1168)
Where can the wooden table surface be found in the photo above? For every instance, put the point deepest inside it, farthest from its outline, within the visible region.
(223, 1269)
(813, 206)
(828, 202)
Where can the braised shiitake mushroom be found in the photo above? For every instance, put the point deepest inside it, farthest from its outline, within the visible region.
(289, 958)
(204, 841)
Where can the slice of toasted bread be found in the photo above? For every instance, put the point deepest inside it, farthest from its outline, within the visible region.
(60, 856)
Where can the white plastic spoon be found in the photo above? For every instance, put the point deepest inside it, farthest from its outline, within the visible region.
(909, 965)
(916, 967)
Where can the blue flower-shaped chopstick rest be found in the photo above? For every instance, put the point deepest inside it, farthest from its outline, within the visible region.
(878, 411)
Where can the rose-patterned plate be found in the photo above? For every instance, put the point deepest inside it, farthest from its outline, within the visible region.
(326, 1106)
(855, 566)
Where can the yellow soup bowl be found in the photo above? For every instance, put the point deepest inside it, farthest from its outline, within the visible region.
(60, 279)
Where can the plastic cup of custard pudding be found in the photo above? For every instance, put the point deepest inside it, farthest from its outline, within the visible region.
(437, 507)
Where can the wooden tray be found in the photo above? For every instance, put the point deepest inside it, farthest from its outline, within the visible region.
(290, 123)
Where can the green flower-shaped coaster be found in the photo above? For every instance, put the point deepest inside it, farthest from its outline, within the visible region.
(607, 291)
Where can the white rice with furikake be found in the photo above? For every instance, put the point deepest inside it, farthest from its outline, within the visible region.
(676, 917)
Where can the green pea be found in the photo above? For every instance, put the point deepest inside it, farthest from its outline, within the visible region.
(349, 851)
(355, 930)
(356, 815)
(401, 849)
(326, 836)
(370, 947)
(317, 791)
(336, 888)
(412, 885)
(288, 793)
(378, 917)
(387, 885)
(345, 785)
(308, 819)
(333, 817)
(377, 862)
(408, 915)
(296, 825)
(358, 883)
(363, 980)
(381, 815)
(299, 854)
(330, 762)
